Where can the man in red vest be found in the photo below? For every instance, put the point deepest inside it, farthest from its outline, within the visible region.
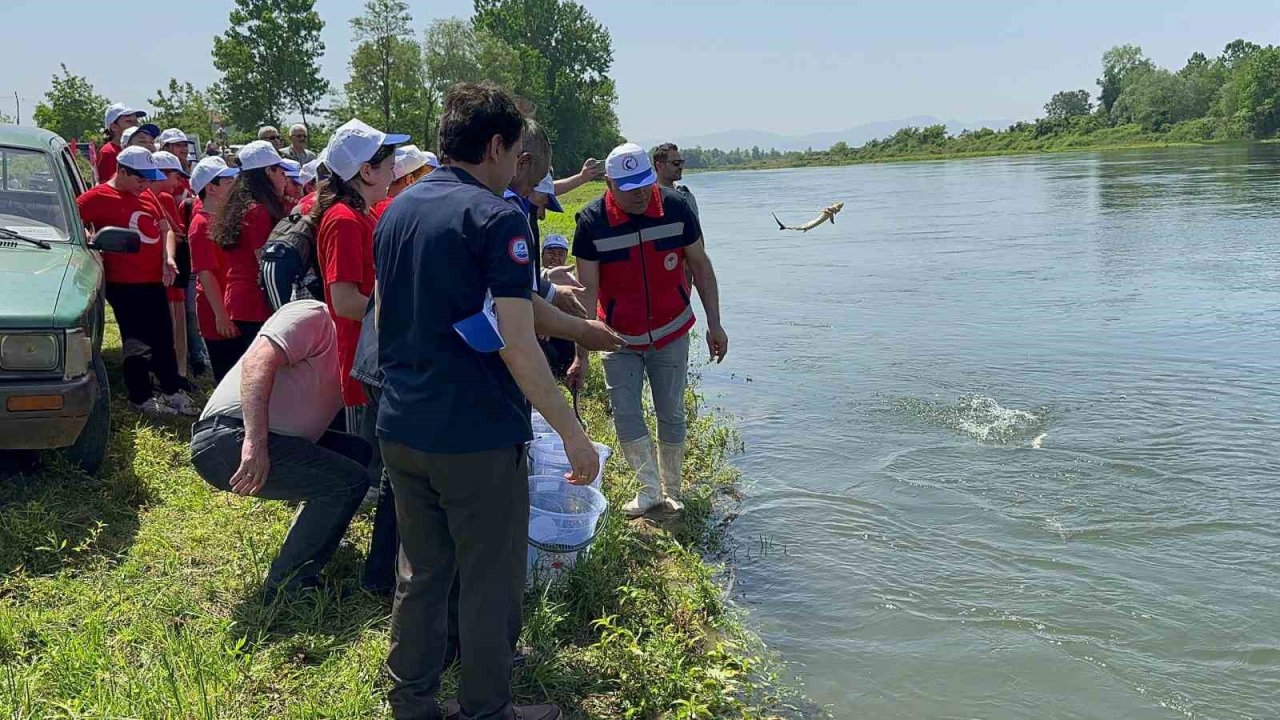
(632, 247)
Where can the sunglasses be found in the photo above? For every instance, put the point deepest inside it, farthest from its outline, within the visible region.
(272, 138)
(677, 163)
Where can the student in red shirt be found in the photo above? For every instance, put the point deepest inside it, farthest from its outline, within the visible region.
(411, 165)
(361, 165)
(135, 285)
(166, 193)
(212, 181)
(118, 118)
(255, 206)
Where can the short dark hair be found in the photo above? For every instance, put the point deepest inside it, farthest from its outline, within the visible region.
(472, 115)
(660, 152)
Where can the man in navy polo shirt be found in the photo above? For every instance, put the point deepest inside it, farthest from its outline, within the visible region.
(456, 316)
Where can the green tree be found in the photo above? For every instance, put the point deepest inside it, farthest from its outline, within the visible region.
(1260, 92)
(70, 107)
(456, 51)
(1204, 80)
(1068, 104)
(565, 56)
(386, 68)
(1154, 99)
(269, 61)
(1237, 52)
(186, 108)
(1118, 65)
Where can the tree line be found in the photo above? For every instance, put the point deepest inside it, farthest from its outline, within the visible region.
(551, 53)
(1233, 96)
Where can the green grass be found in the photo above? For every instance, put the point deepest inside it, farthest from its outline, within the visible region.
(134, 595)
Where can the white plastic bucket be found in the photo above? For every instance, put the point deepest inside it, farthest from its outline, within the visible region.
(540, 425)
(563, 520)
(547, 457)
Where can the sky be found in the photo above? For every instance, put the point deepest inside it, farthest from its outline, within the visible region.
(690, 67)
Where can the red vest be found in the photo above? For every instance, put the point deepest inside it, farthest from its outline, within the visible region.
(644, 291)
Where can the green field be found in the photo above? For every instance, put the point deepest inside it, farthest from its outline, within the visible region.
(135, 595)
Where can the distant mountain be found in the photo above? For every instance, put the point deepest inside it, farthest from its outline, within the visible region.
(854, 136)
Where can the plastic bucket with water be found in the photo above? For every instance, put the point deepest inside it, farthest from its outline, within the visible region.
(547, 457)
(563, 521)
(540, 425)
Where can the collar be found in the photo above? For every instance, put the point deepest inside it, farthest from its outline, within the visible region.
(617, 216)
(518, 200)
(450, 173)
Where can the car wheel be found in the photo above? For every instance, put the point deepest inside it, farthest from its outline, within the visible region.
(90, 448)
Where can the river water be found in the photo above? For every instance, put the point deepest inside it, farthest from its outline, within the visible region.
(903, 541)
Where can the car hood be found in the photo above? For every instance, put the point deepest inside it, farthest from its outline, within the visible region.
(30, 283)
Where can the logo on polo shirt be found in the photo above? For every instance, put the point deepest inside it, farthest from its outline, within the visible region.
(148, 229)
(670, 261)
(519, 249)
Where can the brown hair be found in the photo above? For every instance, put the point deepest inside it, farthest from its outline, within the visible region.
(335, 190)
(472, 115)
(660, 152)
(253, 187)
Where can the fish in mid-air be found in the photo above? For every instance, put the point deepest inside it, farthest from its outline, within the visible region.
(828, 214)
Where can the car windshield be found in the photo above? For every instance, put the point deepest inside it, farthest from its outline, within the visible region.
(31, 195)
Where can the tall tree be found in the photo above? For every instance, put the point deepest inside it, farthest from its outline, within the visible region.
(1260, 92)
(269, 59)
(456, 51)
(186, 108)
(1118, 65)
(1068, 104)
(387, 70)
(1154, 99)
(565, 56)
(70, 107)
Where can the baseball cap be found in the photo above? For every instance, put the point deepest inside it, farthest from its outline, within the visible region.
(353, 144)
(628, 166)
(555, 241)
(139, 159)
(547, 187)
(310, 172)
(292, 169)
(128, 134)
(207, 170)
(432, 160)
(114, 113)
(259, 154)
(171, 135)
(168, 161)
(408, 159)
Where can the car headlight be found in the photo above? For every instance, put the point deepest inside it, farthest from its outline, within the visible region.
(79, 354)
(29, 351)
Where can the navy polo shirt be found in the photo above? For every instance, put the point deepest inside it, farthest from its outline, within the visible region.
(440, 247)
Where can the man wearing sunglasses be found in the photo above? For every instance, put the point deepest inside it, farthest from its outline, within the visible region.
(297, 150)
(271, 135)
(669, 165)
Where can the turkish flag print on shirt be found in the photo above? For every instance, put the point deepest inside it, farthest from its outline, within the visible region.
(104, 206)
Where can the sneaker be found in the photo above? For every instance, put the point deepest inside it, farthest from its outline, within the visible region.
(153, 408)
(181, 403)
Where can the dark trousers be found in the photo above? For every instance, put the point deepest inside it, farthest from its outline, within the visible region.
(226, 352)
(384, 546)
(197, 354)
(465, 515)
(146, 332)
(327, 479)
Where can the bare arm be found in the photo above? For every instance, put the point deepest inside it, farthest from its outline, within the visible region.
(549, 320)
(591, 170)
(347, 301)
(257, 378)
(170, 255)
(213, 293)
(589, 277)
(704, 279)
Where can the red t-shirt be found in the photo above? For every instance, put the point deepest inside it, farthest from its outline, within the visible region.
(306, 203)
(344, 247)
(106, 166)
(104, 206)
(169, 206)
(381, 207)
(206, 256)
(245, 298)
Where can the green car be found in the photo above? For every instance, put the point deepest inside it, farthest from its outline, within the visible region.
(53, 384)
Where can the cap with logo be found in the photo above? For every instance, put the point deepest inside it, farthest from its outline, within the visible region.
(168, 161)
(259, 154)
(409, 159)
(118, 110)
(140, 161)
(555, 240)
(547, 186)
(292, 169)
(171, 135)
(353, 144)
(628, 166)
(208, 169)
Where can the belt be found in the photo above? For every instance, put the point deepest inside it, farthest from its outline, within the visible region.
(217, 421)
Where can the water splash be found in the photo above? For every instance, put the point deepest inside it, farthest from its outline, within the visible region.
(981, 418)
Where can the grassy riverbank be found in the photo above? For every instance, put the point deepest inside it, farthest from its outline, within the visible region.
(134, 595)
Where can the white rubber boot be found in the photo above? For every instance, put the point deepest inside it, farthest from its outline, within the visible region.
(670, 468)
(641, 457)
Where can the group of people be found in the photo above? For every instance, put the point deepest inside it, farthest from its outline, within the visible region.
(439, 317)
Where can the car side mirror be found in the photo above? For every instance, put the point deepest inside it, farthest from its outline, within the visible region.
(115, 240)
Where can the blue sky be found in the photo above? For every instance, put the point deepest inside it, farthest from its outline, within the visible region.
(696, 66)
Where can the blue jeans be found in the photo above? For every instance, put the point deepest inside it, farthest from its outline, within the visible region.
(196, 351)
(668, 373)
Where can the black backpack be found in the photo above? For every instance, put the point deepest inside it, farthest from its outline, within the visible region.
(289, 268)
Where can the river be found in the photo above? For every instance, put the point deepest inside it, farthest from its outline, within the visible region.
(1010, 431)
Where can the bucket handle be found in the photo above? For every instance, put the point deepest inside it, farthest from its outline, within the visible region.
(561, 549)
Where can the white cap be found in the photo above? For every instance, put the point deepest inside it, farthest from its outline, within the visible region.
(555, 241)
(432, 160)
(292, 168)
(114, 112)
(171, 135)
(628, 166)
(259, 154)
(168, 161)
(547, 186)
(310, 171)
(128, 134)
(408, 159)
(209, 168)
(353, 144)
(139, 158)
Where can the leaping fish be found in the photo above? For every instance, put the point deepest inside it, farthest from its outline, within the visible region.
(828, 214)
